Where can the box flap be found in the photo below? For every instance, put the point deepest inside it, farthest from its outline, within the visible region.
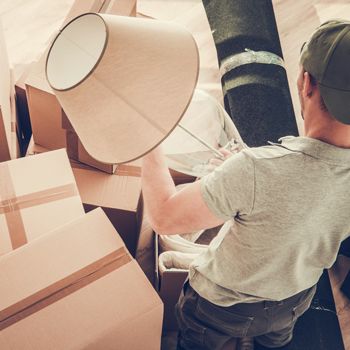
(42, 171)
(111, 191)
(37, 194)
(5, 104)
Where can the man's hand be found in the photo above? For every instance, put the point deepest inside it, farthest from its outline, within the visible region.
(228, 150)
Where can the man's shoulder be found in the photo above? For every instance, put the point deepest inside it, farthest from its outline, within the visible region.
(268, 152)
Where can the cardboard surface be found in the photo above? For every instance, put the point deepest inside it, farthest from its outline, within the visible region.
(44, 109)
(171, 283)
(101, 315)
(121, 8)
(170, 280)
(119, 197)
(76, 150)
(145, 249)
(82, 6)
(37, 194)
(49, 125)
(5, 103)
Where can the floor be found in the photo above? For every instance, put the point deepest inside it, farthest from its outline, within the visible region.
(28, 26)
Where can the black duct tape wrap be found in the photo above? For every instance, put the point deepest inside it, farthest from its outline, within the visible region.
(254, 79)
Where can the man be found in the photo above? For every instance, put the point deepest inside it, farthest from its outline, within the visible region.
(288, 207)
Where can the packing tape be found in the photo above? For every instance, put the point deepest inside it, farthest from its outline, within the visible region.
(122, 169)
(248, 57)
(10, 204)
(128, 170)
(38, 198)
(8, 201)
(64, 287)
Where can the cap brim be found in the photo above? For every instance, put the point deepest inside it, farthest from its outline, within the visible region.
(337, 103)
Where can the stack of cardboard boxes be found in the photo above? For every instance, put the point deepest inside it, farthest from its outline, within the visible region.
(68, 277)
(69, 282)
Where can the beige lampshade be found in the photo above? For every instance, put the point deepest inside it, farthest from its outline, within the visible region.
(123, 82)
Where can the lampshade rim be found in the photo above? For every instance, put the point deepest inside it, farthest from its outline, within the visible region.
(97, 61)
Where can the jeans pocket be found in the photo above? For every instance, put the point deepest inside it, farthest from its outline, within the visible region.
(193, 332)
(225, 321)
(303, 306)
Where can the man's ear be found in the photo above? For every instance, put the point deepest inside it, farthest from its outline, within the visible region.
(307, 85)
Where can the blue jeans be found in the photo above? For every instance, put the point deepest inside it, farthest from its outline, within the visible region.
(204, 325)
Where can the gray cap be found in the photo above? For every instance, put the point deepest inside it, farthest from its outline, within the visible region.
(326, 56)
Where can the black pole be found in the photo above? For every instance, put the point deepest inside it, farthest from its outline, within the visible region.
(256, 95)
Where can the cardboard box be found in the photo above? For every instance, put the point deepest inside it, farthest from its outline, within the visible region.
(37, 195)
(169, 282)
(44, 110)
(83, 6)
(173, 255)
(33, 148)
(120, 7)
(76, 150)
(6, 125)
(49, 122)
(145, 249)
(88, 294)
(118, 195)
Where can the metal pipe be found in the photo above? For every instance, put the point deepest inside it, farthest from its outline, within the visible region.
(204, 143)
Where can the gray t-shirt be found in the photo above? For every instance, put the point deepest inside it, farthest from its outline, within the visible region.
(287, 209)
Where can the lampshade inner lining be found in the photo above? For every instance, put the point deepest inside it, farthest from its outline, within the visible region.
(76, 51)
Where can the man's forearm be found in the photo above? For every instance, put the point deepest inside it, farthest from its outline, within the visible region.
(157, 185)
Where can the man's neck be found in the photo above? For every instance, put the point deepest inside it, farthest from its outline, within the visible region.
(329, 131)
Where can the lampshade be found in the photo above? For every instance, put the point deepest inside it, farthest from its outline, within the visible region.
(124, 83)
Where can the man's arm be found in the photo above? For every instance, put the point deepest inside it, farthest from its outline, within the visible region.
(169, 211)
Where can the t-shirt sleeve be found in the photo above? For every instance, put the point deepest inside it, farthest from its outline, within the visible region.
(229, 189)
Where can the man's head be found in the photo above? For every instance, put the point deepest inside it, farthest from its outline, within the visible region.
(325, 70)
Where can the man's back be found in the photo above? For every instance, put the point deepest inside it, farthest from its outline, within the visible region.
(292, 204)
